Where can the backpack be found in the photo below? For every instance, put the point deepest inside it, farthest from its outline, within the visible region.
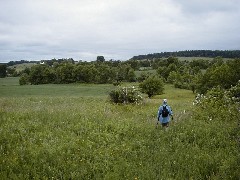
(165, 111)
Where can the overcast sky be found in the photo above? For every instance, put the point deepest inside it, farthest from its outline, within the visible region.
(116, 29)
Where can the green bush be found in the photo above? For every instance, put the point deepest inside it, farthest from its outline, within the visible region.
(24, 79)
(234, 93)
(125, 95)
(219, 103)
(152, 86)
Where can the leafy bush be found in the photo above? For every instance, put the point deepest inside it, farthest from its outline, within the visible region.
(152, 86)
(24, 79)
(219, 103)
(125, 95)
(223, 75)
(234, 93)
(3, 70)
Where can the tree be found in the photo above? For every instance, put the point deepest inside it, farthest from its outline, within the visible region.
(217, 61)
(131, 77)
(165, 71)
(173, 77)
(24, 79)
(89, 73)
(172, 60)
(3, 70)
(134, 64)
(143, 76)
(78, 73)
(201, 63)
(152, 86)
(11, 71)
(100, 59)
(223, 75)
(36, 74)
(235, 70)
(64, 73)
(125, 72)
(49, 75)
(105, 74)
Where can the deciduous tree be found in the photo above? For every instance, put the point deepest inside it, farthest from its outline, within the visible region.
(152, 86)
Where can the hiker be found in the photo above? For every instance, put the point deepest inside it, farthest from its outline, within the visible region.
(164, 113)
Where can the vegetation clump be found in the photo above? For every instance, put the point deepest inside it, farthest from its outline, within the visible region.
(152, 86)
(23, 80)
(126, 95)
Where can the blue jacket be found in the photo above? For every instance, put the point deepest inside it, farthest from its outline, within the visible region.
(159, 115)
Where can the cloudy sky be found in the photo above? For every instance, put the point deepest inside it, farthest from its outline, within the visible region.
(116, 29)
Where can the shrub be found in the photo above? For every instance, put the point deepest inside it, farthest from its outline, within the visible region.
(234, 93)
(152, 86)
(125, 95)
(219, 103)
(24, 79)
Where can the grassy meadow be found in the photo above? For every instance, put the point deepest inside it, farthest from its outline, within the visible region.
(73, 132)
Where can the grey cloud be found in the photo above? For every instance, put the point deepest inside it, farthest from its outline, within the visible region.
(195, 7)
(118, 29)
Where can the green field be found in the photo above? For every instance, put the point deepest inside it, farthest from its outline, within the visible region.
(74, 132)
(9, 87)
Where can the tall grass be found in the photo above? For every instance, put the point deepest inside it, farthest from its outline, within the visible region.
(82, 137)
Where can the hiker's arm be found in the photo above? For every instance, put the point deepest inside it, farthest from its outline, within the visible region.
(171, 112)
(158, 115)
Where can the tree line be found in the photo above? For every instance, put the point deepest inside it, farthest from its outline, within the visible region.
(193, 76)
(12, 63)
(197, 75)
(192, 53)
(3, 70)
(99, 71)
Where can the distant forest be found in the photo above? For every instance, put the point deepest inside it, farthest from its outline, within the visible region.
(191, 53)
(187, 53)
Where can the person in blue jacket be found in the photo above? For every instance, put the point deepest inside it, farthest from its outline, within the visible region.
(164, 113)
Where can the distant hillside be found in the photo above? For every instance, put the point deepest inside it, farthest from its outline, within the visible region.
(12, 63)
(192, 53)
(21, 67)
